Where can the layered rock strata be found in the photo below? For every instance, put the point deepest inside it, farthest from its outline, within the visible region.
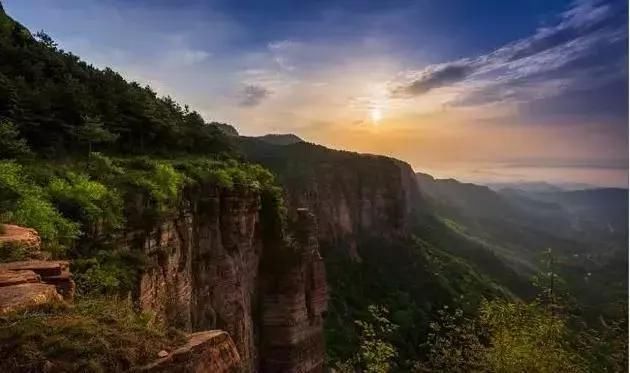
(29, 283)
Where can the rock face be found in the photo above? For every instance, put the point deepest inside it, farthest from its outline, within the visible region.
(205, 272)
(208, 351)
(294, 303)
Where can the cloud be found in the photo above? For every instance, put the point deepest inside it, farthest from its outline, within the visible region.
(253, 95)
(584, 49)
(435, 76)
(282, 52)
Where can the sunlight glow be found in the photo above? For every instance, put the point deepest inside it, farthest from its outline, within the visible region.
(376, 114)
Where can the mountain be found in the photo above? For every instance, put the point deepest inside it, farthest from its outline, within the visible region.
(527, 186)
(280, 139)
(226, 128)
(586, 229)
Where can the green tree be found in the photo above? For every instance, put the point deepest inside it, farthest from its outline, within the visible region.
(11, 144)
(45, 39)
(376, 354)
(453, 344)
(94, 132)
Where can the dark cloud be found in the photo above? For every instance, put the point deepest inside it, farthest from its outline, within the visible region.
(253, 95)
(435, 78)
(584, 18)
(589, 38)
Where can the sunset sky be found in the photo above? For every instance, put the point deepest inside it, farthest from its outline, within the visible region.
(476, 90)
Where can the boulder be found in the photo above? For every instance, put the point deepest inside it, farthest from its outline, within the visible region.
(27, 295)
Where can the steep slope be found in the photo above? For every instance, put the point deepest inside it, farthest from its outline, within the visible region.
(517, 229)
(586, 230)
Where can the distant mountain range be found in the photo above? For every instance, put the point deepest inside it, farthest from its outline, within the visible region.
(540, 186)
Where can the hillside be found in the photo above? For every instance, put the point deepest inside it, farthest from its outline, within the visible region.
(586, 229)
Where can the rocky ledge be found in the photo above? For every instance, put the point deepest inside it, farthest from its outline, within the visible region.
(28, 283)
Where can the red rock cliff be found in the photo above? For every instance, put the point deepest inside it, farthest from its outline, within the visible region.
(205, 273)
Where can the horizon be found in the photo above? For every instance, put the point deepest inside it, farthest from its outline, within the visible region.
(482, 98)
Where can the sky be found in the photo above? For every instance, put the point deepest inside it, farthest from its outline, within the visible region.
(481, 91)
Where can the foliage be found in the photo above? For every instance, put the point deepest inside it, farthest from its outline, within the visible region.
(527, 337)
(453, 344)
(413, 285)
(87, 201)
(25, 203)
(509, 336)
(376, 354)
(110, 272)
(94, 335)
(11, 144)
(54, 98)
(93, 132)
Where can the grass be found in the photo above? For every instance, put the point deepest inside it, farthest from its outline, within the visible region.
(93, 335)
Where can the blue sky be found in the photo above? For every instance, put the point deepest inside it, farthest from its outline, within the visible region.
(478, 90)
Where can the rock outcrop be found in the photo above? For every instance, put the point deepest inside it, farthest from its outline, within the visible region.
(29, 283)
(205, 272)
(207, 351)
(51, 272)
(16, 236)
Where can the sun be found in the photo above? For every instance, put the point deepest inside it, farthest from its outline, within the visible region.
(376, 114)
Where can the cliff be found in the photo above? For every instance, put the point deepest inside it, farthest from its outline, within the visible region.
(351, 194)
(215, 265)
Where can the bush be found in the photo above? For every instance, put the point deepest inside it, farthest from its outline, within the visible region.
(87, 201)
(26, 204)
(109, 273)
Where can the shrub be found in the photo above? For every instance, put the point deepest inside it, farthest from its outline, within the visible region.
(24, 203)
(87, 201)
